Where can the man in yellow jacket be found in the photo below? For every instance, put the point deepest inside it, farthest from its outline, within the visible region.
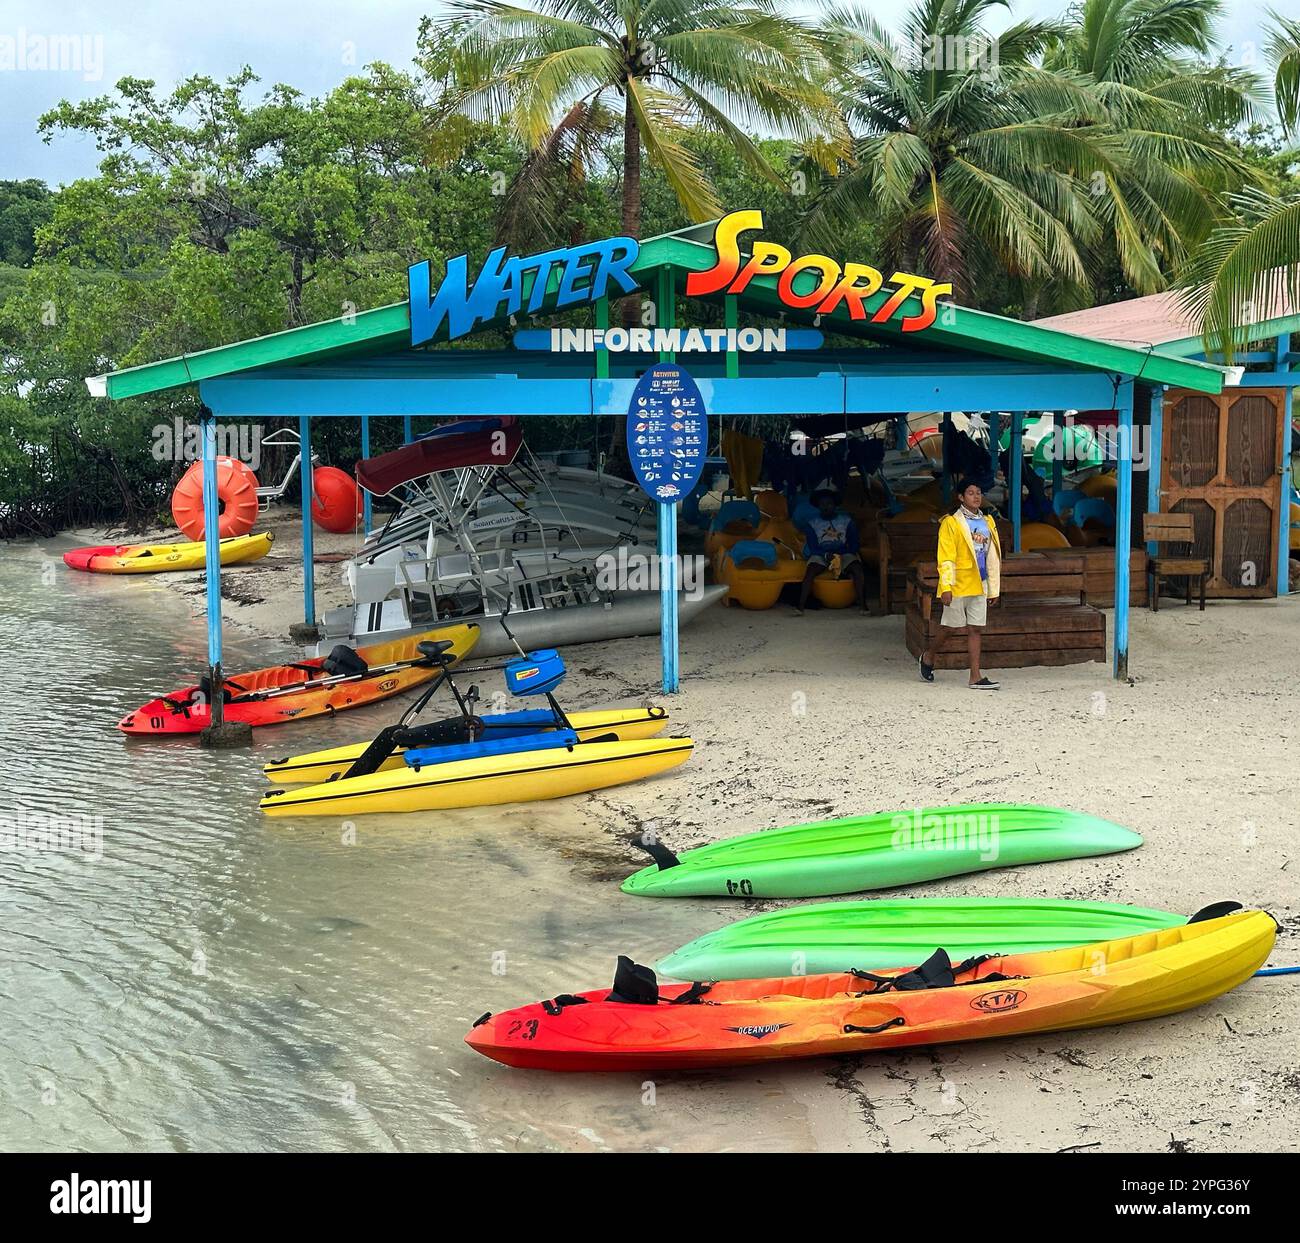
(970, 563)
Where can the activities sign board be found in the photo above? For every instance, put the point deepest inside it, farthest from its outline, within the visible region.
(667, 433)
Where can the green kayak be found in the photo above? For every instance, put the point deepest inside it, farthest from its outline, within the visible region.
(901, 932)
(876, 852)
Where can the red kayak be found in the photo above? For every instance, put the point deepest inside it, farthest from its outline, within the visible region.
(308, 688)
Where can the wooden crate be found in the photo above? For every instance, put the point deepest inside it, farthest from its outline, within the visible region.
(1042, 617)
(904, 545)
(1099, 574)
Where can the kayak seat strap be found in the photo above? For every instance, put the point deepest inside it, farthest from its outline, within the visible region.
(556, 1004)
(691, 996)
(937, 971)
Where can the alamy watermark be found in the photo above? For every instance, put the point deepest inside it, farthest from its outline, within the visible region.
(179, 441)
(638, 571)
(973, 831)
(39, 833)
(27, 51)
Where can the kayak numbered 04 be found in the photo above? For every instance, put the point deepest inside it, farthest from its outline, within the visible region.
(519, 776)
(639, 1026)
(821, 937)
(877, 852)
(157, 558)
(620, 724)
(280, 693)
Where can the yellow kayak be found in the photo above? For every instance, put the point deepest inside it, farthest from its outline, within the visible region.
(521, 777)
(626, 724)
(153, 558)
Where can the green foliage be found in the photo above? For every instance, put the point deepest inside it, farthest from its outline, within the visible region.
(24, 207)
(1089, 159)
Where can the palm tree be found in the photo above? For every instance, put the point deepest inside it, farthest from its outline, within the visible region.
(1250, 263)
(565, 73)
(973, 158)
(1146, 64)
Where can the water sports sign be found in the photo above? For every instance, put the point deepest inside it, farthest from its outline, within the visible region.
(667, 427)
(830, 285)
(512, 284)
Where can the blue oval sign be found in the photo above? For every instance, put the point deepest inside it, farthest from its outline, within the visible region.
(667, 433)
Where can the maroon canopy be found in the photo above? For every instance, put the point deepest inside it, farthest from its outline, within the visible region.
(497, 446)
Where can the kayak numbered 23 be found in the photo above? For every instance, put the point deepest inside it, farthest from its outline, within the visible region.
(638, 1026)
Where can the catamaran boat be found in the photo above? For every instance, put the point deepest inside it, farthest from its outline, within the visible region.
(482, 528)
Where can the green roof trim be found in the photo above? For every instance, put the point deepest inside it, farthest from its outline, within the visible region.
(388, 328)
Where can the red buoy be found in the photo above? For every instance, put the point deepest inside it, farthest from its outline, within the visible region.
(336, 500)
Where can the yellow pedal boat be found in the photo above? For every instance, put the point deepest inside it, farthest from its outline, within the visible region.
(626, 724)
(520, 777)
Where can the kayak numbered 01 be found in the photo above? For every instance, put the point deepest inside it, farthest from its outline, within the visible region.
(877, 852)
(158, 558)
(280, 693)
(639, 1026)
(620, 724)
(821, 937)
(549, 769)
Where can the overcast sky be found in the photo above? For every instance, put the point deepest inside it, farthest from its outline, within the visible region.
(311, 46)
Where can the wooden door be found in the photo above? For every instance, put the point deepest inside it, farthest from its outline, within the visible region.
(1223, 465)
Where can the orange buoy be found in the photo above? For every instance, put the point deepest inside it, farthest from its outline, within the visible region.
(336, 500)
(236, 499)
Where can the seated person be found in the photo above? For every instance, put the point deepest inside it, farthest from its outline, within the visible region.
(829, 534)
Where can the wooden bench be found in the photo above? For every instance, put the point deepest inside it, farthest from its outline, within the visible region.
(1042, 616)
(1179, 529)
(905, 544)
(1099, 574)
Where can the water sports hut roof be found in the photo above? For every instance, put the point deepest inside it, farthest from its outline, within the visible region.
(363, 366)
(1160, 320)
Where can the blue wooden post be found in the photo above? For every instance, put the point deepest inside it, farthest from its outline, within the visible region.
(308, 539)
(407, 435)
(995, 434)
(666, 317)
(668, 597)
(365, 452)
(946, 479)
(1123, 525)
(1283, 363)
(1155, 456)
(900, 433)
(1058, 452)
(1016, 453)
(212, 557)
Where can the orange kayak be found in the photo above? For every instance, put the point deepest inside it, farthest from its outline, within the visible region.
(307, 688)
(640, 1026)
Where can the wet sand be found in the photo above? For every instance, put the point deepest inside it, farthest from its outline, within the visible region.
(800, 718)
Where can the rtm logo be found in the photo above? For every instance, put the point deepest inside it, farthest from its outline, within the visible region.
(119, 1196)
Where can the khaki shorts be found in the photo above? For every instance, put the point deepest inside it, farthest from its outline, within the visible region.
(966, 611)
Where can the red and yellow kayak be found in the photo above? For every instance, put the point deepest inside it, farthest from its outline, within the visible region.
(681, 1027)
(293, 692)
(155, 558)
